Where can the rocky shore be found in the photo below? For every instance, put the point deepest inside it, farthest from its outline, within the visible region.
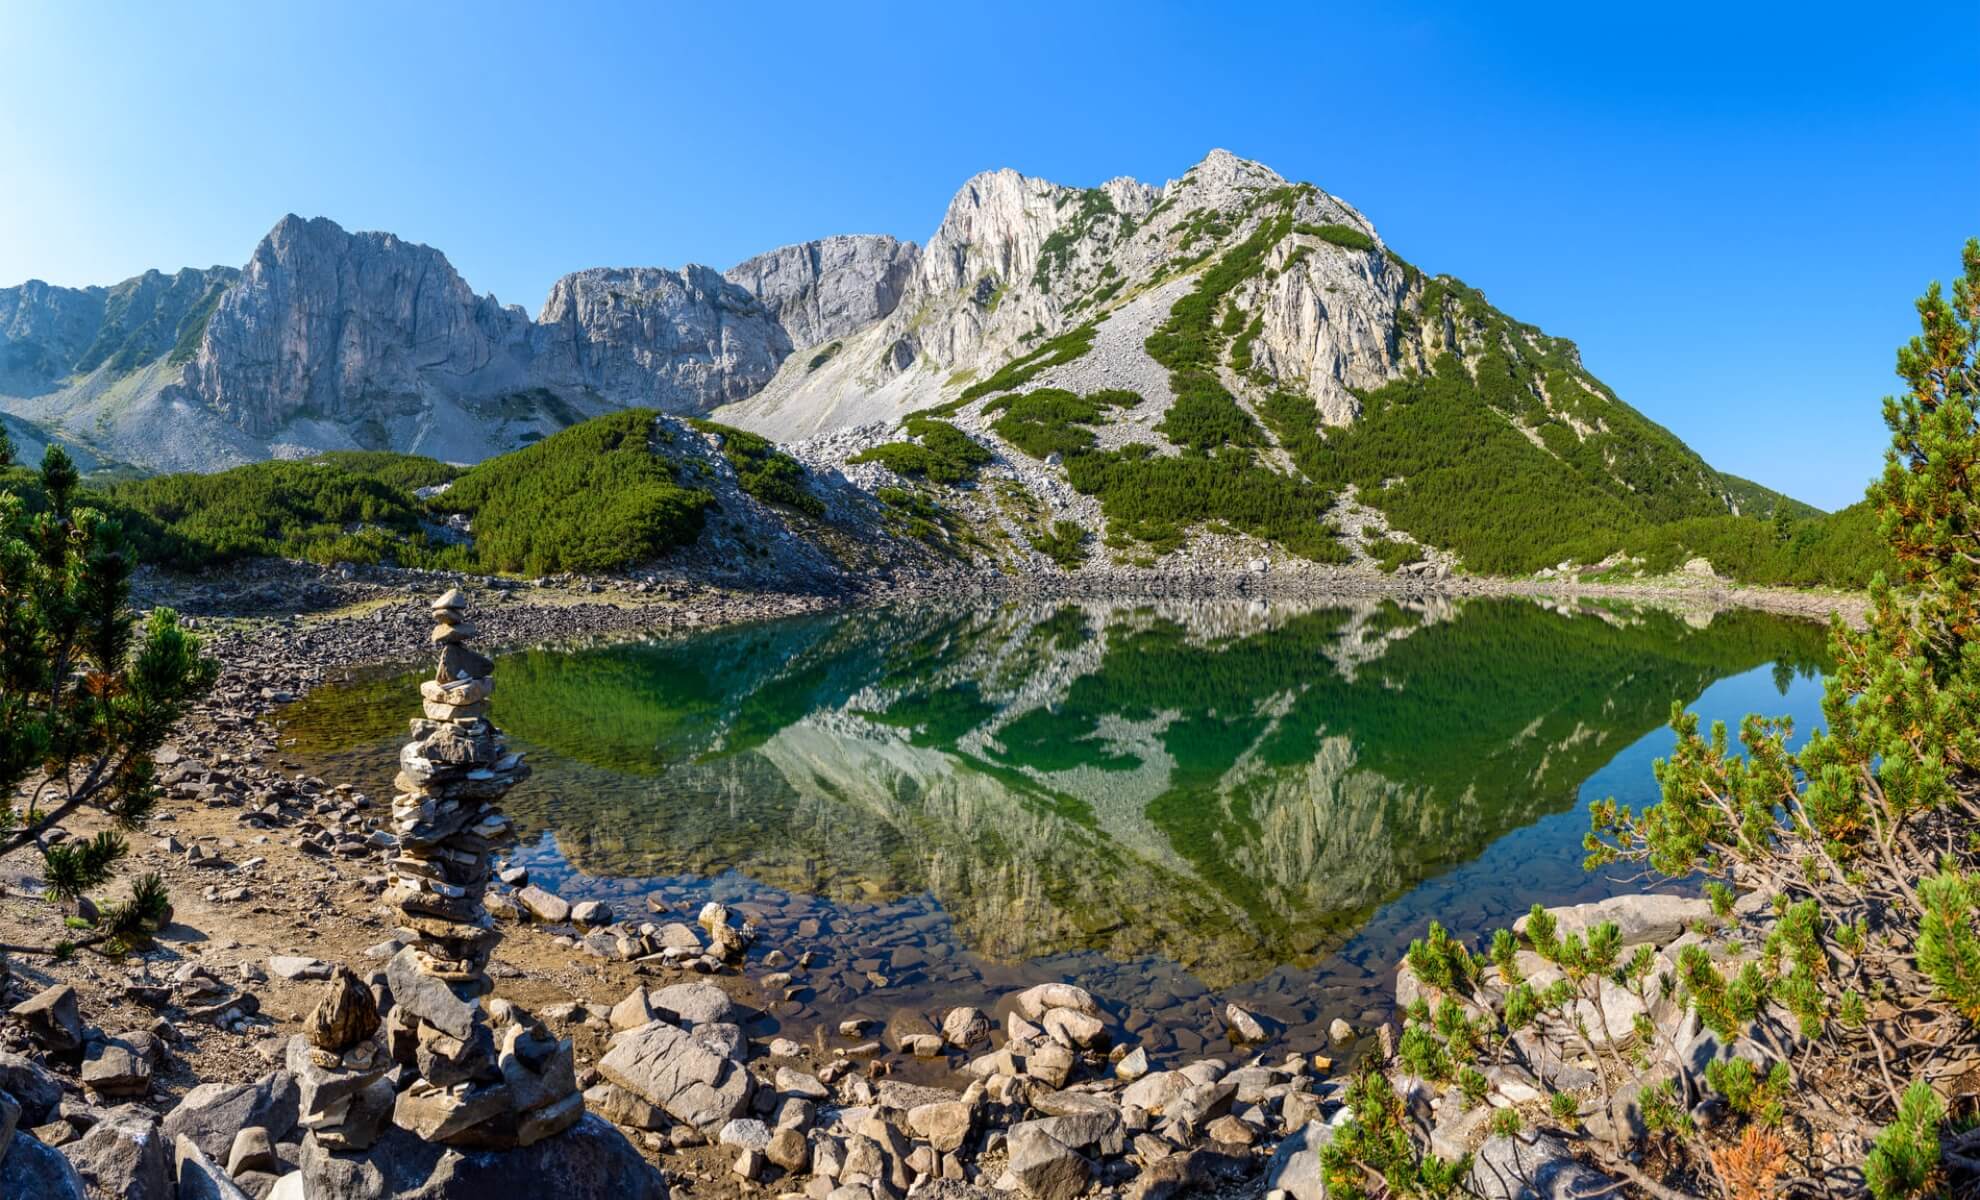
(177, 1072)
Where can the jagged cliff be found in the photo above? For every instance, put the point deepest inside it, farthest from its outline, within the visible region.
(330, 339)
(1229, 362)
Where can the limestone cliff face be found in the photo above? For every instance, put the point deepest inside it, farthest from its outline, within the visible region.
(682, 341)
(1017, 261)
(349, 328)
(829, 288)
(50, 333)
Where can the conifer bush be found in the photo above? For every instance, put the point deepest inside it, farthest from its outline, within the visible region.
(1847, 977)
(86, 696)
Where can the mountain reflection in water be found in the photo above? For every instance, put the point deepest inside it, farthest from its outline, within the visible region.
(1163, 799)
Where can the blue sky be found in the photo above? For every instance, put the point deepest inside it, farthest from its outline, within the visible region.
(1729, 206)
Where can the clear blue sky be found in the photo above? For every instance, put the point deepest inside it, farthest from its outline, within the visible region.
(1729, 206)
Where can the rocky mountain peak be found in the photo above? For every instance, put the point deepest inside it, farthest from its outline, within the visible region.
(826, 289)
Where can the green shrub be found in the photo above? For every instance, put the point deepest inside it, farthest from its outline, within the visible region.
(1064, 544)
(315, 510)
(1345, 236)
(762, 470)
(944, 454)
(1053, 420)
(589, 498)
(1065, 348)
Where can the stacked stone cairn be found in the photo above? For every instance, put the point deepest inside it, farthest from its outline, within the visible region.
(446, 1072)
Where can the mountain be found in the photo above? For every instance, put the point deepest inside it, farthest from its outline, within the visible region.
(329, 340)
(1225, 367)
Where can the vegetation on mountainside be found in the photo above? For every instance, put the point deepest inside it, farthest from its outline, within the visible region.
(944, 454)
(1053, 420)
(762, 470)
(1345, 236)
(1064, 544)
(329, 510)
(588, 498)
(1064, 348)
(1853, 1025)
(86, 697)
(1055, 255)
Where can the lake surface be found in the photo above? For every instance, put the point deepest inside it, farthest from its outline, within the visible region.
(1175, 804)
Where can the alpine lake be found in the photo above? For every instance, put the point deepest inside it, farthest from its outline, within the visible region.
(1176, 804)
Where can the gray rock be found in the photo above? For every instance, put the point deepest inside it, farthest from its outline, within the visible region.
(211, 1113)
(124, 1155)
(428, 998)
(1653, 918)
(589, 1161)
(54, 1017)
(691, 1004)
(34, 1087)
(667, 1067)
(1046, 1168)
(745, 1133)
(199, 1178)
(1533, 1167)
(252, 1151)
(295, 966)
(1295, 1165)
(829, 288)
(31, 1169)
(10, 1120)
(117, 1068)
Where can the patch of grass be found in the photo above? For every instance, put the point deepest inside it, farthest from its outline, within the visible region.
(823, 356)
(762, 470)
(1347, 237)
(1156, 498)
(589, 498)
(1056, 254)
(1064, 544)
(1065, 348)
(944, 454)
(1391, 555)
(1053, 420)
(408, 471)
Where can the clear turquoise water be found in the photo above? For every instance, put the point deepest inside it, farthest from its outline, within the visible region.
(1176, 804)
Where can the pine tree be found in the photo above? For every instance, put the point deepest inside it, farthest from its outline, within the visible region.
(86, 696)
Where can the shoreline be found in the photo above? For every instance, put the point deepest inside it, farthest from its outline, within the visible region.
(265, 861)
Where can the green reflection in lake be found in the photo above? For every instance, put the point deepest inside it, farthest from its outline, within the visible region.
(1232, 786)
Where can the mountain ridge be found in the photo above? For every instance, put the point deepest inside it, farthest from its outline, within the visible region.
(1226, 355)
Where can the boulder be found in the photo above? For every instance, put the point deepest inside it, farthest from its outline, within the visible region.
(54, 1017)
(252, 1151)
(199, 1178)
(1034, 1001)
(669, 1068)
(32, 1169)
(965, 1027)
(298, 967)
(124, 1155)
(1295, 1165)
(591, 914)
(212, 1113)
(547, 907)
(34, 1087)
(1533, 1167)
(345, 1016)
(1652, 917)
(788, 1150)
(589, 1161)
(10, 1120)
(1045, 1168)
(944, 1125)
(633, 1011)
(117, 1067)
(1071, 1027)
(428, 998)
(691, 1004)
